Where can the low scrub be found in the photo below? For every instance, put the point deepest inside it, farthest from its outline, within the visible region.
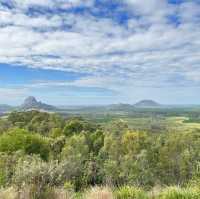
(128, 192)
(27, 193)
(179, 193)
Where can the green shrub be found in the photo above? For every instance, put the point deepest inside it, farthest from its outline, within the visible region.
(7, 167)
(73, 127)
(31, 170)
(28, 192)
(179, 193)
(40, 176)
(128, 192)
(69, 186)
(19, 139)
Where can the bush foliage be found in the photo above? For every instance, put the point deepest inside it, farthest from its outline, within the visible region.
(44, 151)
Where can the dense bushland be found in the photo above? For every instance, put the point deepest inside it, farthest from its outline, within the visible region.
(45, 152)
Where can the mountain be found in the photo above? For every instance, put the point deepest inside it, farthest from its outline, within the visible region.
(147, 104)
(32, 103)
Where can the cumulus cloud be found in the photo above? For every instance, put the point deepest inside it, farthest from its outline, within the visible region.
(64, 4)
(158, 41)
(29, 3)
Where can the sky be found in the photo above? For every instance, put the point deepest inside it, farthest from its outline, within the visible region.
(86, 52)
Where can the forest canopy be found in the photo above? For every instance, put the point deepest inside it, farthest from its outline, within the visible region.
(45, 149)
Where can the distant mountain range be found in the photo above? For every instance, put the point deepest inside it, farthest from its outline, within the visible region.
(129, 107)
(32, 103)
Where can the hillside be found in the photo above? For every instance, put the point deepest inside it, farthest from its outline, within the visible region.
(147, 104)
(32, 103)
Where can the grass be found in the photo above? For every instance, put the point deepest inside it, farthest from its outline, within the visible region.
(99, 193)
(179, 193)
(164, 124)
(26, 193)
(9, 193)
(126, 192)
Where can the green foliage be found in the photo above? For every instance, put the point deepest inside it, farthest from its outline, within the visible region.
(32, 170)
(69, 186)
(179, 193)
(38, 175)
(128, 192)
(94, 141)
(56, 132)
(19, 139)
(178, 156)
(4, 125)
(195, 181)
(29, 192)
(127, 159)
(77, 125)
(36, 121)
(6, 168)
(74, 155)
(73, 127)
(44, 150)
(56, 145)
(75, 147)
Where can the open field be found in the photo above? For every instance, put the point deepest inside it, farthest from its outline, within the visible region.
(162, 123)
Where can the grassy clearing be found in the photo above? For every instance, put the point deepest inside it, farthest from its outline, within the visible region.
(164, 124)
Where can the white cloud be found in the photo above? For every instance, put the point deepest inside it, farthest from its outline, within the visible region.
(28, 3)
(151, 11)
(147, 7)
(64, 4)
(9, 18)
(189, 12)
(147, 52)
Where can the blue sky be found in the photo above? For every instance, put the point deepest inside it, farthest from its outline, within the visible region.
(81, 52)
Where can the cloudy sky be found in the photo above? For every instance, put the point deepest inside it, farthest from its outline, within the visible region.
(100, 51)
